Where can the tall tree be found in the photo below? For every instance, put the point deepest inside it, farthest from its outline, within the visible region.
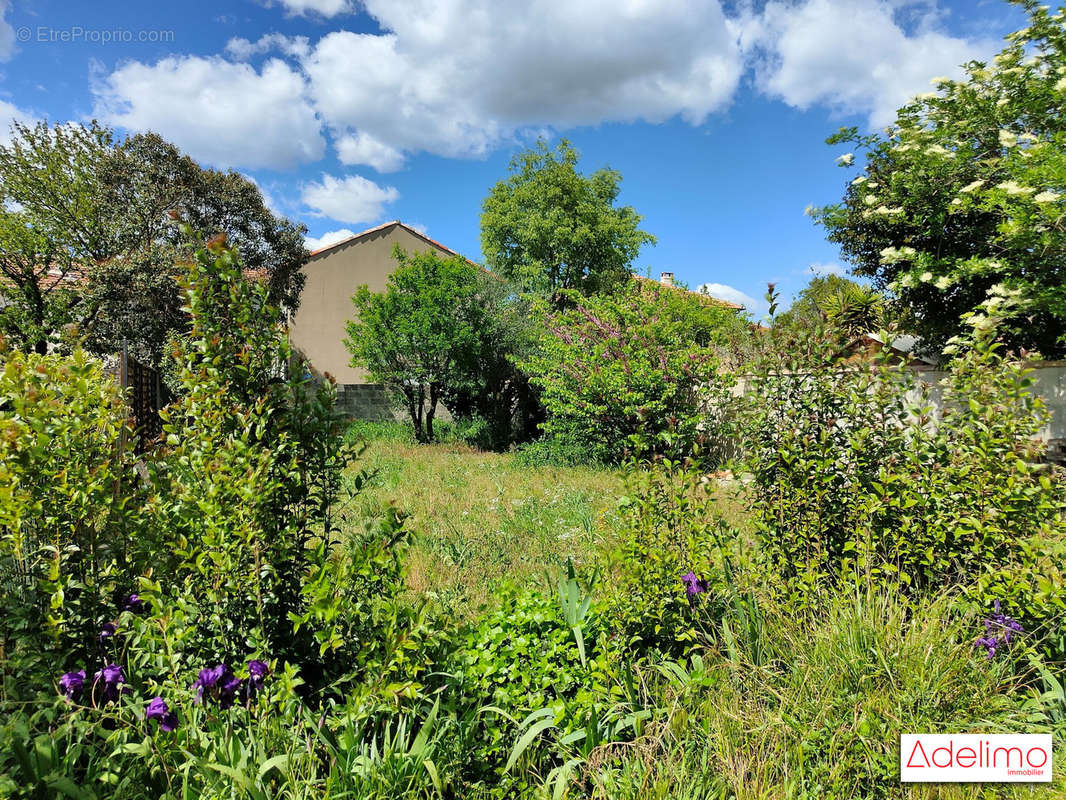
(78, 205)
(548, 228)
(967, 191)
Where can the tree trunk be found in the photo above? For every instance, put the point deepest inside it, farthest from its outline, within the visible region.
(420, 433)
(431, 411)
(415, 410)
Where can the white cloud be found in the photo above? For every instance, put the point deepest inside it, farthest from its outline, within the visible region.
(853, 55)
(326, 239)
(352, 198)
(825, 269)
(362, 148)
(324, 8)
(724, 292)
(243, 49)
(456, 78)
(10, 114)
(219, 112)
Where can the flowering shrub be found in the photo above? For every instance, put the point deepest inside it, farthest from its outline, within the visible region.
(641, 360)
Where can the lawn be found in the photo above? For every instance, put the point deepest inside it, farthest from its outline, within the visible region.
(479, 519)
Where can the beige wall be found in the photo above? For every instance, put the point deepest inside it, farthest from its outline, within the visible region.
(317, 328)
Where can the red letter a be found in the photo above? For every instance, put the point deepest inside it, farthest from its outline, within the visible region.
(917, 747)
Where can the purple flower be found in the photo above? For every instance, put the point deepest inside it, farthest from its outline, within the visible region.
(107, 632)
(999, 630)
(693, 585)
(112, 678)
(158, 710)
(134, 603)
(257, 673)
(218, 682)
(228, 690)
(72, 683)
(209, 676)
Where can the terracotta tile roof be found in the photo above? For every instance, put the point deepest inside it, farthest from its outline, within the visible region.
(435, 243)
(54, 277)
(705, 297)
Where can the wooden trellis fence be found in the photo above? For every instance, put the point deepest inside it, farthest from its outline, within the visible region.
(146, 394)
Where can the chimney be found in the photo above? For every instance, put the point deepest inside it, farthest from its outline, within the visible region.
(666, 278)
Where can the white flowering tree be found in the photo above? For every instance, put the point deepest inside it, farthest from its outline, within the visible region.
(967, 191)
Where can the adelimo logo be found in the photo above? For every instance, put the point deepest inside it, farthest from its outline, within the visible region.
(972, 758)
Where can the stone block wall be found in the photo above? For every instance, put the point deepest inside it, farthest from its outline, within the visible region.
(366, 401)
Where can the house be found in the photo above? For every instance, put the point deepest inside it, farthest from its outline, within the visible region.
(317, 328)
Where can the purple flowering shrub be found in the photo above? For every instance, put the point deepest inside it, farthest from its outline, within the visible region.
(644, 359)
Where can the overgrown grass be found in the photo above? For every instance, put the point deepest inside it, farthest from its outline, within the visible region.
(481, 519)
(813, 705)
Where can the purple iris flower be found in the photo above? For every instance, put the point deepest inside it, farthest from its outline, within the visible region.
(218, 682)
(209, 676)
(108, 631)
(257, 673)
(694, 585)
(999, 630)
(158, 710)
(134, 603)
(231, 684)
(112, 678)
(73, 683)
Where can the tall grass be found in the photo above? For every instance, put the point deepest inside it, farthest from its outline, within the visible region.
(813, 706)
(481, 519)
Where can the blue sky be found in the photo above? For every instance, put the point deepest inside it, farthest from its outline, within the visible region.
(348, 113)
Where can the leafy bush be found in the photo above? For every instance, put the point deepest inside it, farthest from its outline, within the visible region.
(670, 531)
(246, 484)
(69, 502)
(638, 360)
(857, 478)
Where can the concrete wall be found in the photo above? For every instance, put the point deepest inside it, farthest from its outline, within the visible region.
(317, 329)
(1049, 384)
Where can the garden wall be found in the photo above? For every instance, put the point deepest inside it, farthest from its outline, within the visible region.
(1049, 383)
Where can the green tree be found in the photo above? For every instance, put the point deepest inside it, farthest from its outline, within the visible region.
(425, 334)
(642, 360)
(849, 306)
(497, 393)
(76, 203)
(51, 225)
(966, 192)
(548, 228)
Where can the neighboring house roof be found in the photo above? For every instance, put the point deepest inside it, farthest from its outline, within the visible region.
(377, 229)
(903, 345)
(702, 295)
(52, 278)
(415, 232)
